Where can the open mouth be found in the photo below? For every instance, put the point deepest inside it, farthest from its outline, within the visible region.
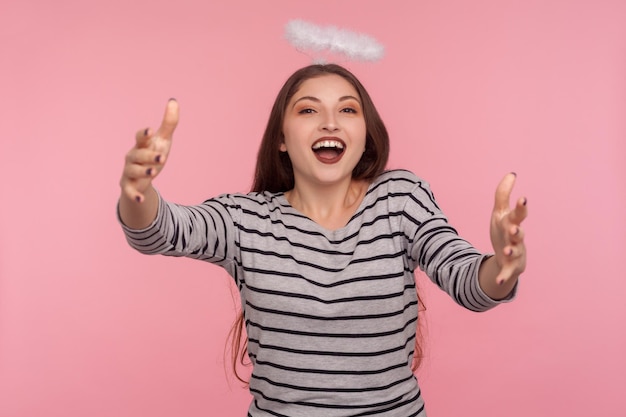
(328, 151)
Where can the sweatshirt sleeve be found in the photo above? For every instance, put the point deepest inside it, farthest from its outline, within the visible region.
(448, 260)
(205, 231)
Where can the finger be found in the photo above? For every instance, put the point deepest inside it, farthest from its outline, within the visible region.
(136, 171)
(514, 252)
(519, 213)
(142, 137)
(505, 274)
(145, 156)
(132, 193)
(129, 189)
(170, 120)
(511, 269)
(503, 192)
(513, 262)
(516, 234)
(513, 266)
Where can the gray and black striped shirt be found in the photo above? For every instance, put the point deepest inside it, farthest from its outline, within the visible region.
(331, 315)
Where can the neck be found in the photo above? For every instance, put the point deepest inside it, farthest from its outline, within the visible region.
(331, 206)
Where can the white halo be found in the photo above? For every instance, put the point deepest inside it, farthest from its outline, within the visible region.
(307, 36)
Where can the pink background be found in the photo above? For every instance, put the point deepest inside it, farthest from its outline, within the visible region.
(469, 90)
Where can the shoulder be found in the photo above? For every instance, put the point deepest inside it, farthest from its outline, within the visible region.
(398, 180)
(405, 189)
(251, 199)
(253, 202)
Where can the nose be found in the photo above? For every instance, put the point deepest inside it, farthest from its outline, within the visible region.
(329, 122)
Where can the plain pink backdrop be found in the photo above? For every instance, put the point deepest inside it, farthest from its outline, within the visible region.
(469, 90)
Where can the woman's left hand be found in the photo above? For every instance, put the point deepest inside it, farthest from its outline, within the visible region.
(507, 235)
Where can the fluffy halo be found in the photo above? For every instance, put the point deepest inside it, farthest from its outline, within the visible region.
(306, 36)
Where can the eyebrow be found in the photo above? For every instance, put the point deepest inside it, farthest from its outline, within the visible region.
(317, 100)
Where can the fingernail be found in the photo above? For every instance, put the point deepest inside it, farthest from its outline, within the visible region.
(149, 171)
(525, 201)
(514, 174)
(138, 199)
(158, 158)
(145, 132)
(501, 282)
(172, 99)
(517, 231)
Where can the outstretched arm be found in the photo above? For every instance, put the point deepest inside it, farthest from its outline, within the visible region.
(499, 274)
(139, 202)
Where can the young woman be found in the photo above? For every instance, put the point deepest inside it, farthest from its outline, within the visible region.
(324, 249)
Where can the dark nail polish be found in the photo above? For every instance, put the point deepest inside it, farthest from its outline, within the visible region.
(149, 171)
(158, 158)
(145, 132)
(138, 199)
(172, 99)
(514, 173)
(525, 201)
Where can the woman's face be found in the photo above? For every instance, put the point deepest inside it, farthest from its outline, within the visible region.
(324, 130)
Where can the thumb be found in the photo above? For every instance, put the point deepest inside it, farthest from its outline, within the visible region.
(503, 192)
(170, 120)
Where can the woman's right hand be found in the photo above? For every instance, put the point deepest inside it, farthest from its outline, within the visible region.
(147, 158)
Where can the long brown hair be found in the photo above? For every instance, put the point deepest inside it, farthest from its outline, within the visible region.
(274, 171)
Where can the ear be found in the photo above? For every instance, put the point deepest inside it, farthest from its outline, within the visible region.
(282, 147)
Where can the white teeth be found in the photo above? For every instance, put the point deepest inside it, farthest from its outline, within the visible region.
(328, 144)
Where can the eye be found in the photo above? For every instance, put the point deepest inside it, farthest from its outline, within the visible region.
(349, 110)
(306, 111)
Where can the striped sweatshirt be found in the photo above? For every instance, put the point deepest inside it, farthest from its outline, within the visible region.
(331, 316)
